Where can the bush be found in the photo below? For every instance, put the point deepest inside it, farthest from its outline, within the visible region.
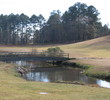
(55, 52)
(33, 51)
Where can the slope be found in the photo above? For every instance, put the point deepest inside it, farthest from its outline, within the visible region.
(99, 48)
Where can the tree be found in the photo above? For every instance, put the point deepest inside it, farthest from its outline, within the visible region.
(41, 21)
(37, 23)
(92, 14)
(51, 32)
(79, 22)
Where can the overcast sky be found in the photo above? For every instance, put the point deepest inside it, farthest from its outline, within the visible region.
(44, 7)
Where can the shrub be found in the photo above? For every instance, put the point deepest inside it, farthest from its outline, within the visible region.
(55, 52)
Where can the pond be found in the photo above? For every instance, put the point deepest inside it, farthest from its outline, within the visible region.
(45, 72)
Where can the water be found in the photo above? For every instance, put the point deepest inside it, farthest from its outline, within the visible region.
(44, 72)
(43, 93)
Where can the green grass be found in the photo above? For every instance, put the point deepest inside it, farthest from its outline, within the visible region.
(15, 88)
(94, 71)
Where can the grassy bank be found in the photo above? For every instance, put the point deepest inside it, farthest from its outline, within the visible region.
(94, 53)
(99, 68)
(12, 87)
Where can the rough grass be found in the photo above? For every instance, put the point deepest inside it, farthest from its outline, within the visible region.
(15, 88)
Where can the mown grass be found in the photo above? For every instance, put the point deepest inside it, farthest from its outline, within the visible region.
(80, 50)
(16, 88)
(98, 48)
(12, 87)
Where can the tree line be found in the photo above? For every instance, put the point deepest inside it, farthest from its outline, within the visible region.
(80, 22)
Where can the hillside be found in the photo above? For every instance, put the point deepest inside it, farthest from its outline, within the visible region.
(99, 47)
(98, 43)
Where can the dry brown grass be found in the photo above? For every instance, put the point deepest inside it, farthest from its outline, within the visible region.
(99, 47)
(15, 88)
(95, 52)
(95, 48)
(94, 62)
(99, 65)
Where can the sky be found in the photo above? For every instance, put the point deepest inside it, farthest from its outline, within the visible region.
(44, 7)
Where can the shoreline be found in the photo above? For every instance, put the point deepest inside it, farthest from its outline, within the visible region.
(91, 69)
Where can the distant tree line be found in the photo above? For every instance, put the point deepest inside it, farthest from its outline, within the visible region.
(79, 23)
(19, 29)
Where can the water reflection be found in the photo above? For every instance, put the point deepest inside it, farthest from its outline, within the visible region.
(58, 74)
(41, 71)
(103, 83)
